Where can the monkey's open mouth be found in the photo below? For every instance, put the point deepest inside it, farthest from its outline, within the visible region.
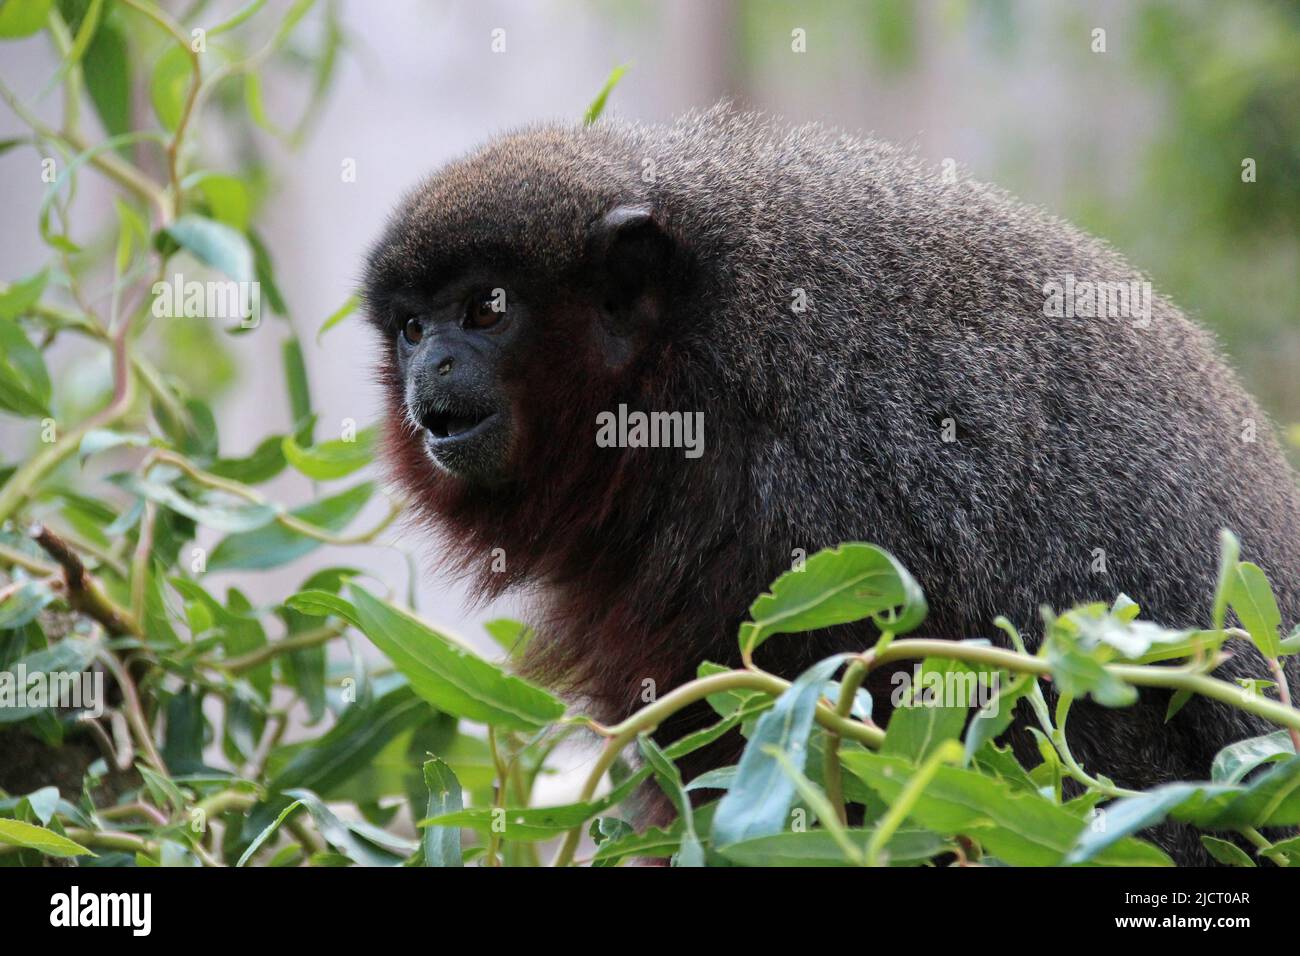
(446, 425)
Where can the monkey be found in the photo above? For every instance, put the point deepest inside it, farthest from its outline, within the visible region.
(879, 353)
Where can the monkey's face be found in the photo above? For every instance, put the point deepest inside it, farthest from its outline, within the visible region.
(517, 293)
(451, 348)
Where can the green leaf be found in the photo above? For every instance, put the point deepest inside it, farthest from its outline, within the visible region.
(161, 789)
(603, 830)
(22, 18)
(349, 747)
(530, 824)
(214, 244)
(262, 464)
(837, 586)
(226, 196)
(1235, 761)
(102, 439)
(996, 716)
(654, 842)
(266, 275)
(331, 459)
(238, 17)
(922, 721)
(1225, 852)
(1252, 598)
(170, 85)
(1018, 827)
(1289, 849)
(185, 731)
(295, 378)
(758, 802)
(21, 606)
(598, 104)
(343, 311)
(32, 837)
(1143, 641)
(442, 844)
(1078, 667)
(1126, 816)
(16, 300)
(256, 107)
(320, 603)
(1177, 701)
(24, 382)
(448, 675)
(513, 636)
(221, 513)
(819, 848)
(727, 702)
(669, 778)
(359, 842)
(267, 832)
(1229, 554)
(45, 802)
(191, 428)
(107, 69)
(701, 738)
(272, 545)
(1271, 798)
(132, 234)
(86, 30)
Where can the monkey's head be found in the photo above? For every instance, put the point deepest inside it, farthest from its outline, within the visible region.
(517, 293)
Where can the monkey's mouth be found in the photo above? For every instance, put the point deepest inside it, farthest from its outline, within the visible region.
(446, 426)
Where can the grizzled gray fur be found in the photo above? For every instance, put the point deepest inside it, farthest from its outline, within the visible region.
(924, 309)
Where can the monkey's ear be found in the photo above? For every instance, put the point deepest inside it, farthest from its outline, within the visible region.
(630, 255)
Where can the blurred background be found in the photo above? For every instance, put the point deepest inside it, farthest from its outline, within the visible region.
(1142, 144)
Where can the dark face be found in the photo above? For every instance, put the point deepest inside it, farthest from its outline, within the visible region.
(497, 358)
(451, 347)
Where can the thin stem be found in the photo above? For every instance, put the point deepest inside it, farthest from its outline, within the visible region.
(1072, 766)
(196, 79)
(493, 851)
(1262, 844)
(136, 808)
(140, 560)
(292, 522)
(72, 79)
(295, 642)
(18, 559)
(1284, 695)
(1141, 675)
(224, 800)
(832, 773)
(134, 711)
(83, 592)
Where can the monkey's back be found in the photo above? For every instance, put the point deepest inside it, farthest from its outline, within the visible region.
(925, 399)
(864, 308)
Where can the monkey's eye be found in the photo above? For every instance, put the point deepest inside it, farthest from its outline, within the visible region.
(413, 330)
(482, 312)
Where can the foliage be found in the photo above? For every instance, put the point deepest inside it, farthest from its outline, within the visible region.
(192, 764)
